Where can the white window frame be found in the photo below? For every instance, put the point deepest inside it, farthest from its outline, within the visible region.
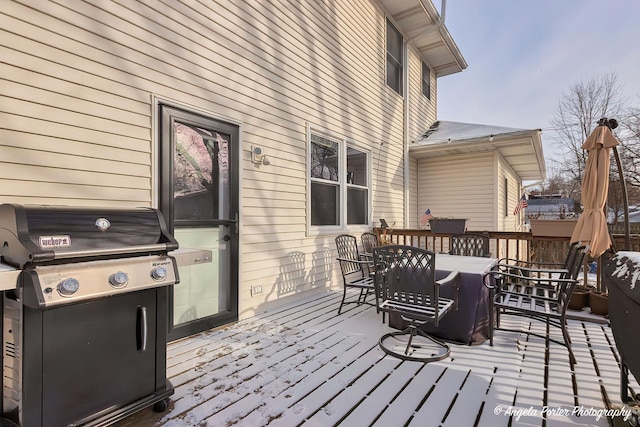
(343, 143)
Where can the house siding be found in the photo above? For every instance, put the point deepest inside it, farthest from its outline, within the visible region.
(77, 113)
(422, 113)
(507, 221)
(459, 186)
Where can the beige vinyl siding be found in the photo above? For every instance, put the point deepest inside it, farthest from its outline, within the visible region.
(459, 187)
(422, 111)
(76, 115)
(422, 114)
(508, 221)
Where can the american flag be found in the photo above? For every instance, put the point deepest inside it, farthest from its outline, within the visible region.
(522, 203)
(426, 216)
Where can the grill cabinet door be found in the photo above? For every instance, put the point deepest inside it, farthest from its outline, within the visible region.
(92, 357)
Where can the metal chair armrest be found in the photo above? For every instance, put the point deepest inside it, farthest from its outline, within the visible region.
(355, 261)
(519, 263)
(509, 267)
(453, 277)
(487, 283)
(500, 275)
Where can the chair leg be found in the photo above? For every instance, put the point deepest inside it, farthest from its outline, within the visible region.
(565, 332)
(366, 295)
(491, 320)
(362, 298)
(344, 295)
(493, 316)
(412, 333)
(567, 343)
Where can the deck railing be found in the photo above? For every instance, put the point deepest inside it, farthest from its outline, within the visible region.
(519, 245)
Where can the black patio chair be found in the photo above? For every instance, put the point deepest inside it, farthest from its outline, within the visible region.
(369, 241)
(535, 294)
(356, 270)
(546, 267)
(405, 284)
(470, 244)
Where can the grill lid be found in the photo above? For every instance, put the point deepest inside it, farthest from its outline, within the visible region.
(35, 234)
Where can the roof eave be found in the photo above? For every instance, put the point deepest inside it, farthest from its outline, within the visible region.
(536, 169)
(421, 24)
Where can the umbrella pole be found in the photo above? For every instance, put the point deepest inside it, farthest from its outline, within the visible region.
(625, 201)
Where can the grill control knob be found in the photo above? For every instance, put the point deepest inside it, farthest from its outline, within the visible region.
(159, 273)
(119, 279)
(68, 287)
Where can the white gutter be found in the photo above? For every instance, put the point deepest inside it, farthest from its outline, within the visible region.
(436, 25)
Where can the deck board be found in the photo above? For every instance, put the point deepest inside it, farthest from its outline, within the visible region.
(304, 365)
(402, 407)
(435, 409)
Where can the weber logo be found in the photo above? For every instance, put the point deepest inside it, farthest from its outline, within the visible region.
(55, 241)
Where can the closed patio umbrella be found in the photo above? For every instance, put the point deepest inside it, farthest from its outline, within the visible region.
(592, 228)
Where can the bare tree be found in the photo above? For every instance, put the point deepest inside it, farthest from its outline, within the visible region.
(629, 136)
(577, 115)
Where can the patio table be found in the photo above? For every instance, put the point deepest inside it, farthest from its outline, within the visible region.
(470, 323)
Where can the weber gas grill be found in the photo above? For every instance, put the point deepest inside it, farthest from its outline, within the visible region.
(84, 329)
(621, 276)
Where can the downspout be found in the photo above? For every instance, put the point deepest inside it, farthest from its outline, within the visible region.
(407, 140)
(405, 84)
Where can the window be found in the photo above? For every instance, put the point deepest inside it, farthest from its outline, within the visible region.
(394, 58)
(426, 80)
(339, 182)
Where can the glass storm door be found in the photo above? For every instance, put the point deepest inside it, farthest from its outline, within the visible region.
(199, 198)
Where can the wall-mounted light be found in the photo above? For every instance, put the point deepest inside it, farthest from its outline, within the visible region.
(258, 157)
(490, 138)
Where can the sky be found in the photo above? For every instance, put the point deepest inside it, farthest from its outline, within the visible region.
(523, 55)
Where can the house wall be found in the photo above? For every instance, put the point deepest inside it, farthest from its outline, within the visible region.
(459, 186)
(77, 127)
(509, 192)
(422, 114)
(509, 185)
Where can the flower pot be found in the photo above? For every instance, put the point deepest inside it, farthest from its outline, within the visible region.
(599, 303)
(553, 227)
(579, 298)
(447, 225)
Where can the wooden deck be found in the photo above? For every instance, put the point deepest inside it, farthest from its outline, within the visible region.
(304, 365)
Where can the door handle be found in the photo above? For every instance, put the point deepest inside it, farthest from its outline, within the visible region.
(229, 222)
(226, 238)
(142, 332)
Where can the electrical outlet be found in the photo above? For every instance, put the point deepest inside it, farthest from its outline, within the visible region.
(256, 290)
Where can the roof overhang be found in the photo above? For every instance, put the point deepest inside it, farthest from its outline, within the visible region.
(522, 150)
(421, 23)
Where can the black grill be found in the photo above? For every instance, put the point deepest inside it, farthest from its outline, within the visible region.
(621, 279)
(84, 330)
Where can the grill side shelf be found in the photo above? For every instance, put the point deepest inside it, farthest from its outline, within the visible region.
(8, 277)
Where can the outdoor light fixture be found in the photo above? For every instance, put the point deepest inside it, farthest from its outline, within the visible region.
(258, 157)
(490, 138)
